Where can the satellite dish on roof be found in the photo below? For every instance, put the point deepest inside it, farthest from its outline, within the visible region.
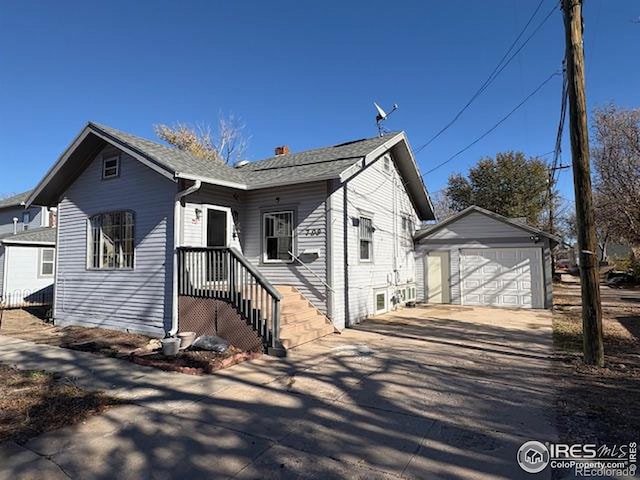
(382, 116)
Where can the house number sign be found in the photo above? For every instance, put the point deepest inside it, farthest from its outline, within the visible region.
(312, 232)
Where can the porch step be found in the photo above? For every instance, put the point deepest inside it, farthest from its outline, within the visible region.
(299, 316)
(294, 339)
(295, 305)
(310, 323)
(300, 320)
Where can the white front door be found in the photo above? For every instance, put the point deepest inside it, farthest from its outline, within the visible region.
(437, 266)
(502, 277)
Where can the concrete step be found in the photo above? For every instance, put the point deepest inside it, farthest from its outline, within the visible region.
(313, 323)
(294, 339)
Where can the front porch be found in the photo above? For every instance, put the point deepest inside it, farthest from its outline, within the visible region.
(220, 292)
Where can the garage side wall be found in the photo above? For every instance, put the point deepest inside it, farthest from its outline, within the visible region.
(477, 230)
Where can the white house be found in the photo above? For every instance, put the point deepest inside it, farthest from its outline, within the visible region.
(152, 239)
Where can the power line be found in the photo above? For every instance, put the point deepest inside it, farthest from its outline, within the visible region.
(496, 71)
(502, 120)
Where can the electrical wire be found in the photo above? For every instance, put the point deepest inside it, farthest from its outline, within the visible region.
(500, 122)
(496, 71)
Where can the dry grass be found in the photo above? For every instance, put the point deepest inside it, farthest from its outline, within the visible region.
(33, 402)
(600, 404)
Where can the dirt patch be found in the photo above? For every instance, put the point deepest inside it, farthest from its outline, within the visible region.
(135, 348)
(196, 362)
(34, 402)
(596, 404)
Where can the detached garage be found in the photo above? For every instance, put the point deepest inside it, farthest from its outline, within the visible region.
(480, 258)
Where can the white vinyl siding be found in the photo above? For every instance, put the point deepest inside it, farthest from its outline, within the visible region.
(383, 193)
(335, 215)
(23, 280)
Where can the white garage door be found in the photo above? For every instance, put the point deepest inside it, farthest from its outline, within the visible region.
(502, 277)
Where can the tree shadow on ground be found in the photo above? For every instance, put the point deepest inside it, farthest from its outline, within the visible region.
(433, 401)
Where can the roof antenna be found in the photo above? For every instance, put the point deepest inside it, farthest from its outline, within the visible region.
(382, 116)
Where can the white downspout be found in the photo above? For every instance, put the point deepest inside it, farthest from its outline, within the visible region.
(177, 228)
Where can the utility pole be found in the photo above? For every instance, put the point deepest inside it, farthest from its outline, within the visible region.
(587, 243)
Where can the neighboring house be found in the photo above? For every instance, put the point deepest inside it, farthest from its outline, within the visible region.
(14, 217)
(27, 267)
(478, 257)
(27, 253)
(153, 239)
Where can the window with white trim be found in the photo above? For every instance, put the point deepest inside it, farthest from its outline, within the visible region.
(111, 167)
(26, 219)
(407, 224)
(380, 302)
(366, 239)
(47, 259)
(278, 236)
(386, 164)
(110, 242)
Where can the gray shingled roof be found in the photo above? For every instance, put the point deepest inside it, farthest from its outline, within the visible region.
(294, 167)
(45, 235)
(318, 163)
(173, 158)
(14, 200)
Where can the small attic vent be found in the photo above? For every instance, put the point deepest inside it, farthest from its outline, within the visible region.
(241, 163)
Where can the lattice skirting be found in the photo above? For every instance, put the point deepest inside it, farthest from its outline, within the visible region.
(209, 316)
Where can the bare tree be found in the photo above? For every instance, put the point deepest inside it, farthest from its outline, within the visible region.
(227, 144)
(230, 140)
(616, 160)
(4, 196)
(442, 206)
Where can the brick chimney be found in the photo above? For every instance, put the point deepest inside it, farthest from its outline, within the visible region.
(282, 150)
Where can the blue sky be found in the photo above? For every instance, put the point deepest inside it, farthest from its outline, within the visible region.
(298, 73)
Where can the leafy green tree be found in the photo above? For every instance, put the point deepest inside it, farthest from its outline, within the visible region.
(509, 184)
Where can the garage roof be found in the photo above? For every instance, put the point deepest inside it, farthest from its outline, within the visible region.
(427, 231)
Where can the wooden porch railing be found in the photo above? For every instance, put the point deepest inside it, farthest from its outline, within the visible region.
(224, 273)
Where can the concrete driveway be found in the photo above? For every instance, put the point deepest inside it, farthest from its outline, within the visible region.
(438, 392)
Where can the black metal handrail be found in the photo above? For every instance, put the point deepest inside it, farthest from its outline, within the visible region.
(224, 273)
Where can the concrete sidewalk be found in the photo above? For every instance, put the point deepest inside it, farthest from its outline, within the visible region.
(423, 393)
